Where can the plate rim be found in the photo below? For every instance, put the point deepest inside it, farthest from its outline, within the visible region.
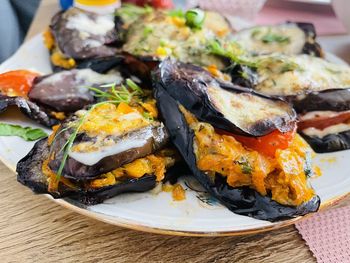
(129, 224)
(170, 232)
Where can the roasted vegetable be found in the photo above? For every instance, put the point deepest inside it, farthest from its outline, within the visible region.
(30, 109)
(109, 137)
(159, 34)
(290, 38)
(30, 173)
(242, 200)
(211, 100)
(67, 91)
(76, 36)
(329, 143)
(98, 153)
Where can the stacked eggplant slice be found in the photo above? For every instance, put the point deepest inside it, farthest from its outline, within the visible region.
(291, 38)
(101, 151)
(318, 90)
(78, 37)
(218, 127)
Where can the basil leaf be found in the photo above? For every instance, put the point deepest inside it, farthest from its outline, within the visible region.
(27, 133)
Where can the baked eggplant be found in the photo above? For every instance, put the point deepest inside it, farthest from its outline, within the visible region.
(114, 150)
(312, 85)
(291, 38)
(241, 199)
(67, 91)
(211, 100)
(76, 35)
(28, 108)
(158, 34)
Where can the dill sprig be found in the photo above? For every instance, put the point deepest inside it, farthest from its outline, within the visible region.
(120, 94)
(114, 96)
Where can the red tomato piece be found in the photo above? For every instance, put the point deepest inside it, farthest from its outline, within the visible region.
(267, 144)
(17, 82)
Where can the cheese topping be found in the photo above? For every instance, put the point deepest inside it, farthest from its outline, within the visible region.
(285, 38)
(282, 75)
(93, 157)
(334, 129)
(320, 114)
(101, 25)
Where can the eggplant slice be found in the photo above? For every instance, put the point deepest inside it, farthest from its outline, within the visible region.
(243, 201)
(30, 174)
(157, 34)
(67, 91)
(84, 35)
(329, 143)
(212, 101)
(28, 108)
(291, 38)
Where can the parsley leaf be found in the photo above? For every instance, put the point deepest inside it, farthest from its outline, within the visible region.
(26, 133)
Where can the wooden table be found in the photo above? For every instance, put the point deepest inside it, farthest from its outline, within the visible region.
(34, 229)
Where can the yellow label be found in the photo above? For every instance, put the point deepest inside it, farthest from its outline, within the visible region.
(96, 2)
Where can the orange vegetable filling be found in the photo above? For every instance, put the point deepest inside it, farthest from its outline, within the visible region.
(283, 175)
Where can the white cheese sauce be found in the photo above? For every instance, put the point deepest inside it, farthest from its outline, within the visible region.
(83, 23)
(91, 158)
(334, 129)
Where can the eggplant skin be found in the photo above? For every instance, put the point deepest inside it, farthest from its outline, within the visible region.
(243, 201)
(329, 143)
(29, 174)
(195, 89)
(28, 108)
(325, 100)
(311, 47)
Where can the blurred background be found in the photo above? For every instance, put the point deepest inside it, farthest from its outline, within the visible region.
(330, 17)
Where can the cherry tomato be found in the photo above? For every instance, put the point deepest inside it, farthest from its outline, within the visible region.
(165, 4)
(17, 82)
(267, 144)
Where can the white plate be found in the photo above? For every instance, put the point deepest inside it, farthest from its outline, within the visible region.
(158, 213)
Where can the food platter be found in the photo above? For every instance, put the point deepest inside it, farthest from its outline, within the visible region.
(155, 211)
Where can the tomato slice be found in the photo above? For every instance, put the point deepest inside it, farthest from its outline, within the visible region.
(17, 82)
(267, 144)
(323, 122)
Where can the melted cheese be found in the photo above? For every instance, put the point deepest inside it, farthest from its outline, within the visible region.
(334, 129)
(253, 39)
(93, 157)
(306, 74)
(320, 114)
(101, 25)
(160, 35)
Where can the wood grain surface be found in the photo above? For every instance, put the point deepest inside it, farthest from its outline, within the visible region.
(34, 229)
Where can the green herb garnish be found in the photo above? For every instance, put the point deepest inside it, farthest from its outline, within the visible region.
(176, 13)
(195, 18)
(275, 38)
(232, 51)
(118, 94)
(245, 166)
(130, 12)
(26, 133)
